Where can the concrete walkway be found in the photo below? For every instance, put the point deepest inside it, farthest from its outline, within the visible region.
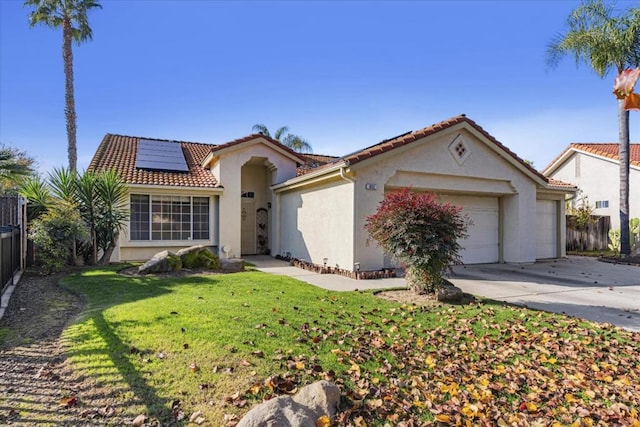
(577, 286)
(332, 282)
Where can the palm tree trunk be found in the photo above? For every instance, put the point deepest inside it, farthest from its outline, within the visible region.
(70, 105)
(106, 256)
(623, 117)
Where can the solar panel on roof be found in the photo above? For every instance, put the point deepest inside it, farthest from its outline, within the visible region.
(161, 156)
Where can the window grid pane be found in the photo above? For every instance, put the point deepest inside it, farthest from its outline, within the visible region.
(167, 217)
(139, 222)
(200, 218)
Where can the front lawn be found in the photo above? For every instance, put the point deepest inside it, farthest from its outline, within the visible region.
(171, 346)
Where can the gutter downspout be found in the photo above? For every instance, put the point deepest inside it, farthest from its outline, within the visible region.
(353, 217)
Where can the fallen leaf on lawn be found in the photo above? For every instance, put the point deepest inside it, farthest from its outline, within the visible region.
(139, 420)
(68, 401)
(443, 418)
(194, 367)
(194, 416)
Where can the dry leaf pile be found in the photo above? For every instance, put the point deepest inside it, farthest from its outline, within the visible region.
(530, 370)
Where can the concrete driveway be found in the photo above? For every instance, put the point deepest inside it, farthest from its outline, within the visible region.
(577, 286)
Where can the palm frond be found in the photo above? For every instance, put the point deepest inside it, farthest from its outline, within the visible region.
(260, 128)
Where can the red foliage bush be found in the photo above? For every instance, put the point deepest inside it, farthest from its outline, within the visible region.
(420, 232)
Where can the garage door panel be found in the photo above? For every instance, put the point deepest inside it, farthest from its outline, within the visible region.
(546, 229)
(483, 243)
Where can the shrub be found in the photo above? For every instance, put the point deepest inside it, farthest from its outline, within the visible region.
(54, 234)
(174, 262)
(420, 232)
(201, 259)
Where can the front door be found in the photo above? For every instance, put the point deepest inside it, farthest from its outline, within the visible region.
(248, 227)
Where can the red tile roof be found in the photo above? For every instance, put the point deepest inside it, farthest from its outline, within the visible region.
(118, 152)
(313, 161)
(610, 151)
(410, 137)
(254, 136)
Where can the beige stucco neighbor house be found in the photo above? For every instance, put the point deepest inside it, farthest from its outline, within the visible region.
(595, 170)
(254, 195)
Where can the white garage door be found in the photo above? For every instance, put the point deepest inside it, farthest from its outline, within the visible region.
(482, 245)
(546, 229)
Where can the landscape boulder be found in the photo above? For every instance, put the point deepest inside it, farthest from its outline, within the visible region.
(195, 248)
(198, 256)
(449, 293)
(162, 262)
(302, 410)
(233, 265)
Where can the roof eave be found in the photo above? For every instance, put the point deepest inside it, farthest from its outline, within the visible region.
(321, 173)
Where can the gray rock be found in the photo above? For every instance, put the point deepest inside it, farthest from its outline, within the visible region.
(161, 262)
(233, 265)
(184, 251)
(449, 293)
(302, 410)
(321, 397)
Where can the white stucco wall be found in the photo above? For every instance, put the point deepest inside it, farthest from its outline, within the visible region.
(142, 250)
(599, 179)
(429, 165)
(228, 170)
(316, 222)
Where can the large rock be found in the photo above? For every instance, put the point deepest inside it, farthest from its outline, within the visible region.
(195, 248)
(198, 256)
(162, 262)
(449, 293)
(302, 410)
(233, 265)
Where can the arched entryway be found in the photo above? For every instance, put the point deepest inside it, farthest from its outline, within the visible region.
(256, 176)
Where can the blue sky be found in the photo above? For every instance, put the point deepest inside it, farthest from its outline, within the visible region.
(344, 75)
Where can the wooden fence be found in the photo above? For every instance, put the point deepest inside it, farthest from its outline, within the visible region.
(594, 237)
(12, 216)
(9, 210)
(10, 261)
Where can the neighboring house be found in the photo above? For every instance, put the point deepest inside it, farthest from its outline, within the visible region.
(254, 195)
(595, 170)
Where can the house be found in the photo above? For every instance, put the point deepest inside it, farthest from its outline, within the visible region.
(595, 170)
(254, 195)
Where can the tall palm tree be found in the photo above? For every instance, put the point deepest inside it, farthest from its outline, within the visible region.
(71, 15)
(605, 42)
(283, 136)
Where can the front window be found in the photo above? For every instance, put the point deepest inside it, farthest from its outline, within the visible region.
(162, 217)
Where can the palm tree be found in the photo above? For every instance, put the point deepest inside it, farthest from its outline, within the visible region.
(604, 41)
(15, 167)
(283, 136)
(71, 15)
(112, 212)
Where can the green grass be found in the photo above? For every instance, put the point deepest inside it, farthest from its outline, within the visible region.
(142, 337)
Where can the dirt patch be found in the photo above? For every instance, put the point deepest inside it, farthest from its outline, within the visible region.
(39, 309)
(423, 300)
(37, 387)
